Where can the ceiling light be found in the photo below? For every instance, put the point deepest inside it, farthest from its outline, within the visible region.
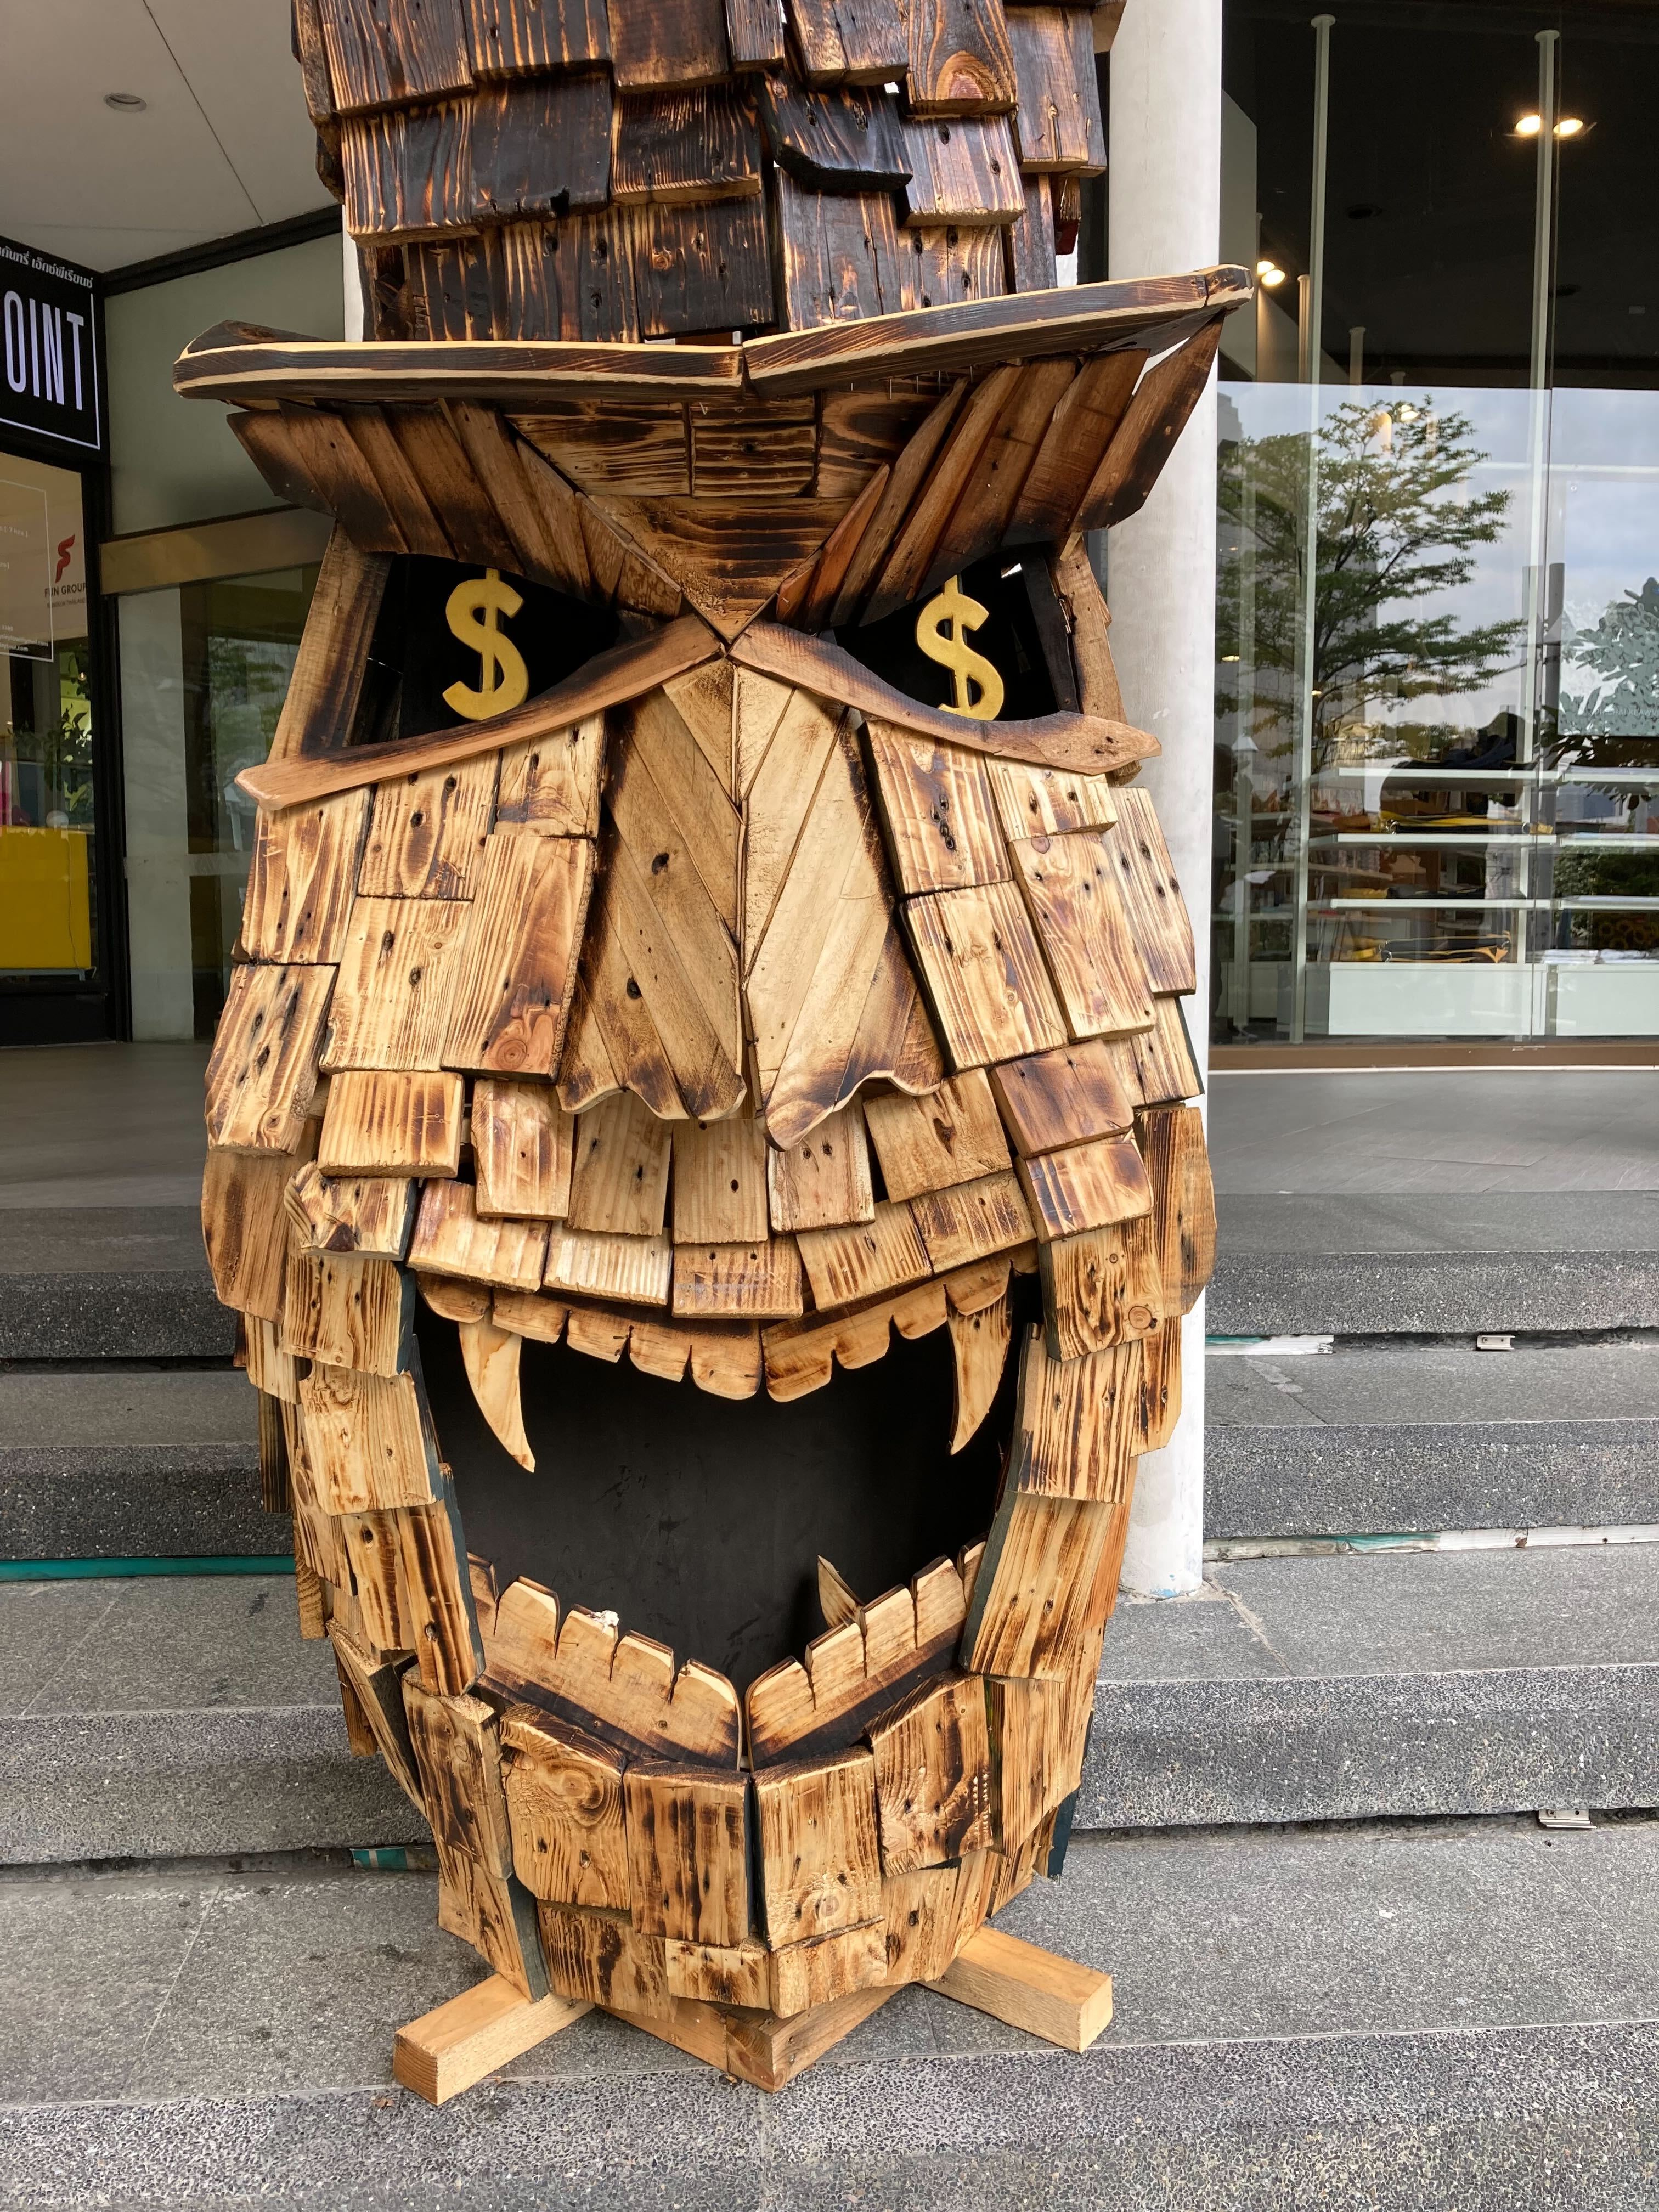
(1530, 127)
(125, 103)
(1270, 273)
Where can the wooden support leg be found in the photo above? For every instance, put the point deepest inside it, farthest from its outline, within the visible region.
(447, 2051)
(758, 2046)
(1050, 1997)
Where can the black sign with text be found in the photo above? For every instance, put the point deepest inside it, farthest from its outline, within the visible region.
(51, 379)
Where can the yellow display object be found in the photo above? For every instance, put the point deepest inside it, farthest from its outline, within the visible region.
(46, 912)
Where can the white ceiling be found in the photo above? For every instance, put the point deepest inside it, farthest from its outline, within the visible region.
(223, 143)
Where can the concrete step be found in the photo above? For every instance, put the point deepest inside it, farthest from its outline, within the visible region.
(107, 1282)
(1455, 2015)
(1384, 1438)
(1451, 1264)
(152, 1717)
(184, 1714)
(1358, 1685)
(131, 1463)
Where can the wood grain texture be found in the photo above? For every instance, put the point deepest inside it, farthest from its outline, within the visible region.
(1071, 886)
(1171, 1140)
(1058, 122)
(408, 172)
(754, 32)
(911, 553)
(823, 1181)
(858, 1670)
(1076, 1422)
(564, 1798)
(523, 1145)
(802, 1977)
(263, 1070)
(510, 37)
(427, 833)
(619, 1179)
(1154, 419)
(346, 1311)
(688, 1851)
(443, 1626)
(700, 145)
(758, 2047)
(1080, 742)
(1030, 1990)
(451, 1239)
(457, 1744)
(754, 1281)
(490, 1357)
(651, 48)
(839, 254)
(844, 141)
(638, 447)
(626, 1689)
(1028, 240)
(720, 1181)
(298, 885)
(599, 1957)
(1089, 1186)
(830, 998)
(979, 1353)
(848, 41)
(517, 969)
(393, 1124)
(1062, 1097)
(971, 1220)
(937, 809)
(495, 1915)
(802, 1357)
(244, 1228)
(991, 487)
(950, 1136)
(395, 991)
(540, 147)
(930, 1915)
(1149, 894)
(1090, 621)
(474, 2034)
(1098, 1287)
(960, 61)
(818, 1845)
(1158, 1067)
(909, 468)
(601, 1264)
(1033, 1599)
(961, 172)
(379, 54)
(984, 974)
(376, 1680)
(551, 784)
(862, 1260)
(933, 1777)
(1076, 442)
(1046, 802)
(367, 1443)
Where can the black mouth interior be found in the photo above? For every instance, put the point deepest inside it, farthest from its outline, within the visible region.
(700, 1520)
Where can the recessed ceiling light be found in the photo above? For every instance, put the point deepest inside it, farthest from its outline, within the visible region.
(126, 103)
(1270, 273)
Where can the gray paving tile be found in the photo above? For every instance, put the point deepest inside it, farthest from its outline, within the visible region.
(40, 1625)
(126, 1410)
(182, 1643)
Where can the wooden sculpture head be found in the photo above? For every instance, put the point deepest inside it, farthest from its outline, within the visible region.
(700, 1138)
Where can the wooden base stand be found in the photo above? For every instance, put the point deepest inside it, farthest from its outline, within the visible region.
(1045, 1994)
(447, 2051)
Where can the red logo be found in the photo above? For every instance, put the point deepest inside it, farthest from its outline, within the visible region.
(63, 552)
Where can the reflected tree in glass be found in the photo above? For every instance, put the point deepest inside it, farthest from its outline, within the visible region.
(1398, 525)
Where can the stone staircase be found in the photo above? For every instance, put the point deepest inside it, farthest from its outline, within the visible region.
(1351, 1965)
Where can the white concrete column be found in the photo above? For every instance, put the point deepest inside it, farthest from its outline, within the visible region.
(1164, 187)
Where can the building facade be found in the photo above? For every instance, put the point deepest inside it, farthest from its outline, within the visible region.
(1435, 778)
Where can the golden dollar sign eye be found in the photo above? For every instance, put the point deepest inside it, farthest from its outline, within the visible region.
(503, 679)
(951, 650)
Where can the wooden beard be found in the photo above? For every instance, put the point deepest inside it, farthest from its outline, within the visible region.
(703, 1093)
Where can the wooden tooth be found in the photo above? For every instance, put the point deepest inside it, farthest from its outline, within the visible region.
(979, 1348)
(491, 1358)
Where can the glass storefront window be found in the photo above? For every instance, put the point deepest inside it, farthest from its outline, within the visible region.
(203, 672)
(1438, 689)
(48, 903)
